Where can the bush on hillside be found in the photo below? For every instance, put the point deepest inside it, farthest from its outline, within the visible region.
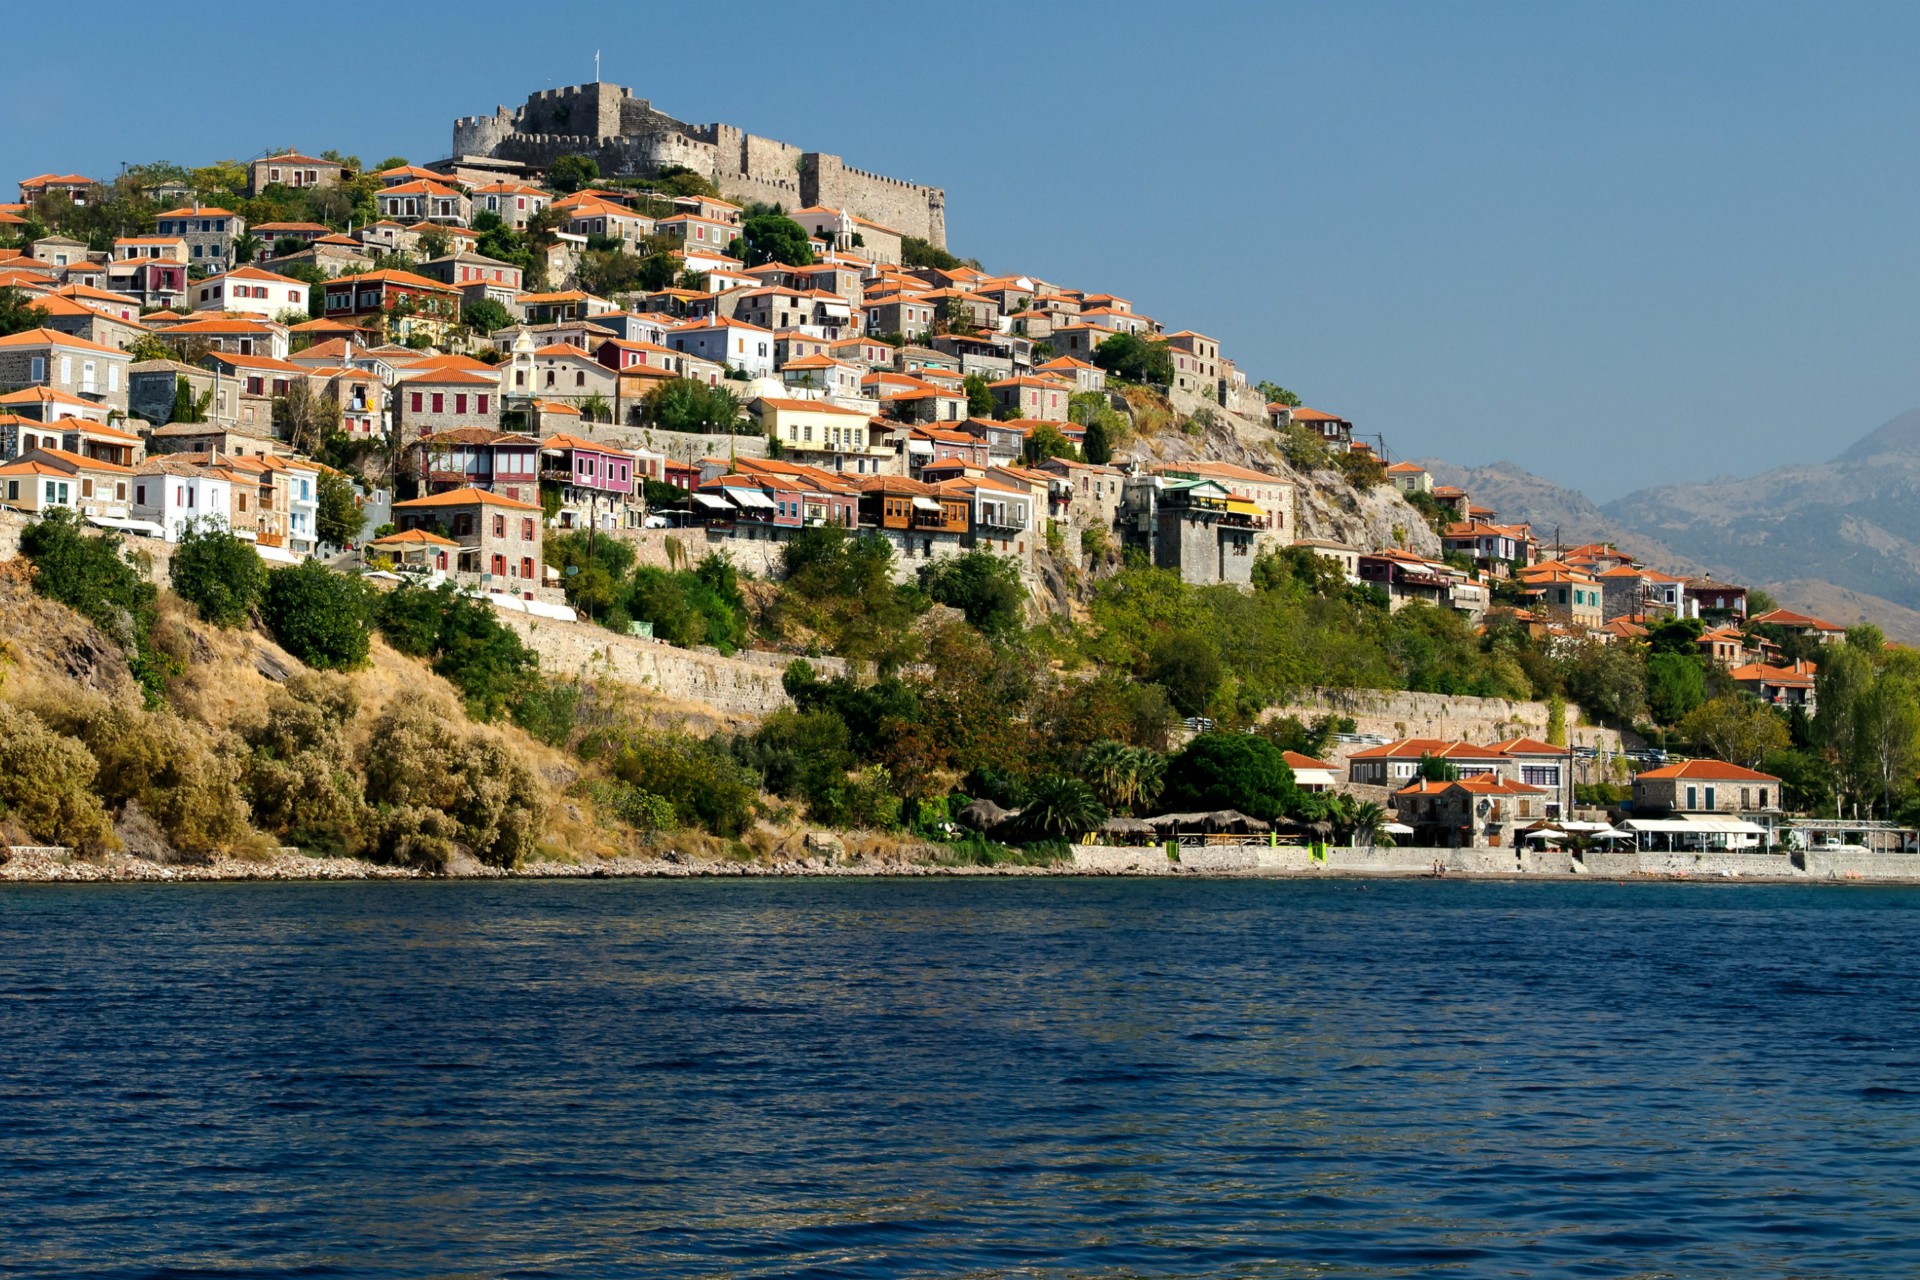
(437, 786)
(90, 575)
(219, 573)
(46, 785)
(317, 615)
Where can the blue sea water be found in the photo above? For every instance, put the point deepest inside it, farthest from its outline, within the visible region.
(1060, 1078)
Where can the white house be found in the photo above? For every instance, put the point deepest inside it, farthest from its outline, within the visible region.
(249, 289)
(733, 343)
(173, 494)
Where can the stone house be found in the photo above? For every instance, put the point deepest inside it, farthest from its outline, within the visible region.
(459, 269)
(438, 400)
(1083, 376)
(1273, 495)
(515, 202)
(64, 363)
(1195, 527)
(1044, 398)
(1705, 787)
(64, 315)
(292, 169)
(499, 536)
(1632, 592)
(1393, 764)
(1348, 558)
(1789, 686)
(209, 233)
(59, 251)
(610, 221)
(425, 201)
(1483, 812)
(403, 302)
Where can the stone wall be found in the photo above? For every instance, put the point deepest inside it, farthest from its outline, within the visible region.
(747, 684)
(1289, 860)
(628, 137)
(1854, 863)
(1395, 714)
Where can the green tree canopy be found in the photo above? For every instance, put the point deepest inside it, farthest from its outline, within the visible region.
(317, 615)
(218, 573)
(337, 519)
(570, 173)
(982, 585)
(686, 404)
(1230, 771)
(768, 235)
(1132, 358)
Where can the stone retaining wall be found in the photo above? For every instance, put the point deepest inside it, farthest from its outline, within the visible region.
(1397, 714)
(746, 684)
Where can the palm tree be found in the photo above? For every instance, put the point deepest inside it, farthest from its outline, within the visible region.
(1062, 808)
(1367, 823)
(1125, 779)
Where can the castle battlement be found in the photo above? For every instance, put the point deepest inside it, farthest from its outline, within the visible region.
(628, 138)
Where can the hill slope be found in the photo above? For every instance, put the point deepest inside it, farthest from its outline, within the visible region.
(1851, 523)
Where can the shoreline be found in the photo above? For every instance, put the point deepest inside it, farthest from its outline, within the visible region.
(42, 867)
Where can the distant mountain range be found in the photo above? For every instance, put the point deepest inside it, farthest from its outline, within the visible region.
(1839, 538)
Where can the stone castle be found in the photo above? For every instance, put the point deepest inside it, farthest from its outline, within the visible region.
(628, 138)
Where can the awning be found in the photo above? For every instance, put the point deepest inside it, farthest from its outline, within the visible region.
(1695, 826)
(278, 555)
(709, 500)
(749, 497)
(1397, 829)
(147, 527)
(919, 446)
(1241, 507)
(926, 504)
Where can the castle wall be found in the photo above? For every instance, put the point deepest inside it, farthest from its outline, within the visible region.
(627, 137)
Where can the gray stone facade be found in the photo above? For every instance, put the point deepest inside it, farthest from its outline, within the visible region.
(627, 137)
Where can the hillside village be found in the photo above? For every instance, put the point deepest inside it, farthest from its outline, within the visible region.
(476, 371)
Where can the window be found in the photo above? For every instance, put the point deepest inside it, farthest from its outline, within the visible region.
(526, 566)
(13, 491)
(1693, 798)
(139, 494)
(37, 368)
(499, 526)
(1763, 797)
(526, 529)
(66, 370)
(480, 405)
(439, 402)
(415, 405)
(1709, 797)
(460, 403)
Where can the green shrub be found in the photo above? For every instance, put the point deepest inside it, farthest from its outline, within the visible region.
(1230, 771)
(434, 783)
(317, 615)
(46, 782)
(91, 575)
(218, 573)
(465, 640)
(707, 787)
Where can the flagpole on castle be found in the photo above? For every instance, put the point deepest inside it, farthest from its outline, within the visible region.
(596, 66)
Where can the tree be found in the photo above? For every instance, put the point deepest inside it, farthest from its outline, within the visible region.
(91, 576)
(982, 585)
(1274, 393)
(17, 314)
(1126, 779)
(570, 173)
(1736, 728)
(1132, 358)
(1045, 441)
(466, 641)
(188, 407)
(1061, 808)
(304, 418)
(485, 315)
(1187, 665)
(686, 404)
(768, 235)
(317, 615)
(218, 573)
(917, 252)
(979, 398)
(338, 519)
(1676, 684)
(246, 247)
(1095, 446)
(1231, 771)
(1434, 768)
(1888, 736)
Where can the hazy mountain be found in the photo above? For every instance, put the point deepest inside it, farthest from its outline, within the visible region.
(1840, 539)
(1520, 497)
(1852, 523)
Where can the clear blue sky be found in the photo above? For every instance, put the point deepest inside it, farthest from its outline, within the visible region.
(1616, 244)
